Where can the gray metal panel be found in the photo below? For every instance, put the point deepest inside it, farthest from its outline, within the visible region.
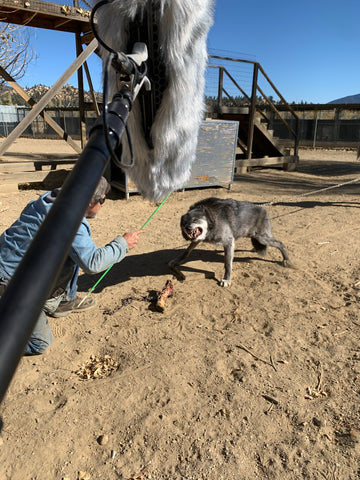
(215, 154)
(215, 158)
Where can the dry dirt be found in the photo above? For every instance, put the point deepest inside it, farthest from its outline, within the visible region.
(257, 381)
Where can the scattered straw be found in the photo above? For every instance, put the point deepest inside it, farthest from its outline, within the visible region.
(97, 367)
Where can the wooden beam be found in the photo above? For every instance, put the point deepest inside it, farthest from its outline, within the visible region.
(80, 77)
(43, 14)
(87, 37)
(43, 114)
(96, 106)
(60, 23)
(49, 95)
(259, 162)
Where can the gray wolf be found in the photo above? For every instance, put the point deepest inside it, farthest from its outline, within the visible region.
(163, 155)
(222, 221)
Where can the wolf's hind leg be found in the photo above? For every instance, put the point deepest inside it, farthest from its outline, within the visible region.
(272, 242)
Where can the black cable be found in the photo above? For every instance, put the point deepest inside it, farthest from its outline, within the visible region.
(113, 56)
(92, 23)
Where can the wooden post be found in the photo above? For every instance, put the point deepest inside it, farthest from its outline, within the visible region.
(96, 106)
(80, 77)
(252, 111)
(220, 88)
(244, 169)
(315, 127)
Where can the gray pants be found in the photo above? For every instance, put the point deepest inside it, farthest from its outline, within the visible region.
(41, 337)
(64, 290)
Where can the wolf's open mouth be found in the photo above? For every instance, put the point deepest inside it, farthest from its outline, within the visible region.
(193, 233)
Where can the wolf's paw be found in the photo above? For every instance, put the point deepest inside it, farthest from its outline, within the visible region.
(179, 275)
(173, 265)
(289, 264)
(225, 283)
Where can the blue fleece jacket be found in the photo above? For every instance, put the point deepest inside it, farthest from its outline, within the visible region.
(17, 238)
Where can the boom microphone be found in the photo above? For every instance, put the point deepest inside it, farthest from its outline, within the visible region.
(164, 123)
(164, 126)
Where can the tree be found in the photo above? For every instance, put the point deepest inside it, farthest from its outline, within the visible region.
(15, 50)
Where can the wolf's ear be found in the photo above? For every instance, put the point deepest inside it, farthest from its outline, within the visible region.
(197, 206)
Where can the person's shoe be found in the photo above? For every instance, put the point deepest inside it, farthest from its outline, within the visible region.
(73, 306)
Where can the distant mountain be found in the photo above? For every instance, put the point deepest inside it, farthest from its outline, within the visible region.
(348, 99)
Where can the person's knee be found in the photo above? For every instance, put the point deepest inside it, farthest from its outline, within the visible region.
(37, 346)
(41, 337)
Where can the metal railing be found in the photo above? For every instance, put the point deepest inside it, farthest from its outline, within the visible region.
(252, 101)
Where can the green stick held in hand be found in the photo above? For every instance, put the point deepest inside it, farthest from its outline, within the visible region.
(109, 268)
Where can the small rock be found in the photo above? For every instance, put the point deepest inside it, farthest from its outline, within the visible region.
(317, 422)
(84, 476)
(103, 439)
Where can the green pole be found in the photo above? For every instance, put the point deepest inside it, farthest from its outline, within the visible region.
(109, 268)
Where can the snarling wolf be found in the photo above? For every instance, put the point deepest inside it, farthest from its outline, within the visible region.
(222, 221)
(164, 141)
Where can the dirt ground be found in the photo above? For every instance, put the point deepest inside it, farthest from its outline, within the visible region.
(260, 380)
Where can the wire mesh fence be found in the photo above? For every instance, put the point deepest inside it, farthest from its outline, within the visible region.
(316, 126)
(67, 118)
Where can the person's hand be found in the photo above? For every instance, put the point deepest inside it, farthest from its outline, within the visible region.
(132, 238)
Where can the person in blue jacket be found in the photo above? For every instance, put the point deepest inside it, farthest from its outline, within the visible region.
(83, 254)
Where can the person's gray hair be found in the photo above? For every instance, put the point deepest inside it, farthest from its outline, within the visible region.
(103, 188)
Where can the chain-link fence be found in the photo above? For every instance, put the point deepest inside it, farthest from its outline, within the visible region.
(68, 119)
(335, 126)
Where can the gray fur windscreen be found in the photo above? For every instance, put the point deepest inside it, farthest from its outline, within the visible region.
(164, 124)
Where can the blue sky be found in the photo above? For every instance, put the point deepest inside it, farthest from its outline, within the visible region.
(309, 49)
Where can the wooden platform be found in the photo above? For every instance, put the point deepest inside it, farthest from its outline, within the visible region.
(17, 167)
(41, 14)
(39, 164)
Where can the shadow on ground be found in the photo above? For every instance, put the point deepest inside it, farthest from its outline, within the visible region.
(156, 264)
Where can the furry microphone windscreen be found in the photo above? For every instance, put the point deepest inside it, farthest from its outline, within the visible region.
(163, 124)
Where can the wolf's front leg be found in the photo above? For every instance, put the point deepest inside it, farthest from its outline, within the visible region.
(174, 264)
(229, 255)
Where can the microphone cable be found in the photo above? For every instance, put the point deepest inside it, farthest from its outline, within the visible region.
(113, 56)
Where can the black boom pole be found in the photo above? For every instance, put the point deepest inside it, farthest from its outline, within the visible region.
(31, 285)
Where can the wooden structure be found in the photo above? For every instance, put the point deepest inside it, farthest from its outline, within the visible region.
(38, 164)
(215, 159)
(52, 16)
(41, 14)
(257, 145)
